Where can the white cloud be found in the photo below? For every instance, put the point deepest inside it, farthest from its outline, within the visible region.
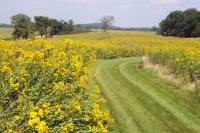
(162, 2)
(197, 0)
(129, 6)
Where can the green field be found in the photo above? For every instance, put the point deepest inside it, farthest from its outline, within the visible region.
(6, 32)
(140, 101)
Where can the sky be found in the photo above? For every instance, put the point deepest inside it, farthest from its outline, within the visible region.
(127, 13)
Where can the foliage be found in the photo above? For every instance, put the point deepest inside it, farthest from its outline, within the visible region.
(106, 21)
(70, 25)
(21, 23)
(42, 23)
(78, 26)
(65, 27)
(43, 88)
(182, 24)
(57, 27)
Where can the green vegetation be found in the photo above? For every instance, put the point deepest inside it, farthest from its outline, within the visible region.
(22, 24)
(139, 101)
(57, 27)
(182, 24)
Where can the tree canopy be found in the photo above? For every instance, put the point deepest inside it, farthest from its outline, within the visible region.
(181, 24)
(21, 24)
(57, 27)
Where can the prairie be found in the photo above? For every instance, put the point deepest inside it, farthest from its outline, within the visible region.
(96, 82)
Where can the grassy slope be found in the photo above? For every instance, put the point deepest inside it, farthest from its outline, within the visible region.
(141, 102)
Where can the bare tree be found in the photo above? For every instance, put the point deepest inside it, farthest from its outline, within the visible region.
(106, 21)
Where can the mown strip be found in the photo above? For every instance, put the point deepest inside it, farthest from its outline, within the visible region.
(140, 101)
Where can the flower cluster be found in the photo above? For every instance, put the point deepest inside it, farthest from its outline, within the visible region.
(43, 87)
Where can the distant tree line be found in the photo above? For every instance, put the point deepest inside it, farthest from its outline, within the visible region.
(181, 24)
(6, 25)
(98, 26)
(88, 26)
(154, 28)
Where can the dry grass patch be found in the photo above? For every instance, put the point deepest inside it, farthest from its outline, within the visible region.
(164, 73)
(6, 32)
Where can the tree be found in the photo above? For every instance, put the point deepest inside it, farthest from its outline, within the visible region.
(70, 25)
(21, 23)
(182, 24)
(78, 26)
(154, 28)
(62, 21)
(197, 30)
(190, 21)
(65, 27)
(106, 21)
(56, 26)
(42, 24)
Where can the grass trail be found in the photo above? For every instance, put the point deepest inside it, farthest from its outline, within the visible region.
(140, 101)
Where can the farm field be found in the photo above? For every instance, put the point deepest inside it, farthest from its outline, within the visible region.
(6, 32)
(59, 84)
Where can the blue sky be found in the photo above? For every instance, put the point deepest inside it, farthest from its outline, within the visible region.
(127, 13)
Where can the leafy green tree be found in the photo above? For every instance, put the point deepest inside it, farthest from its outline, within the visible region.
(21, 23)
(56, 26)
(171, 25)
(70, 25)
(190, 22)
(197, 30)
(182, 24)
(65, 27)
(42, 24)
(174, 23)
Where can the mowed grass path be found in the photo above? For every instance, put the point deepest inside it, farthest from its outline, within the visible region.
(140, 101)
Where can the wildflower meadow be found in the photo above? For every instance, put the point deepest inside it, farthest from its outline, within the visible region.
(44, 81)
